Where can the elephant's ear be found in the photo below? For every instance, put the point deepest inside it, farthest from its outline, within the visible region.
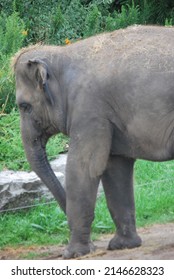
(42, 76)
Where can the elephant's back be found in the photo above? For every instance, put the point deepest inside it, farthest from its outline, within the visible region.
(135, 47)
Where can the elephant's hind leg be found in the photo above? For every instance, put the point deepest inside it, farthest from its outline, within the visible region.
(118, 186)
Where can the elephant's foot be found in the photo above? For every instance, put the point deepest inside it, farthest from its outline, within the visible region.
(76, 250)
(122, 242)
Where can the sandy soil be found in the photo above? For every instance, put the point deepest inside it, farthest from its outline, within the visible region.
(158, 243)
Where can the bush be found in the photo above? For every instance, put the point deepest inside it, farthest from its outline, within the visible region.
(7, 97)
(12, 33)
(68, 23)
(93, 21)
(129, 15)
(12, 36)
(153, 11)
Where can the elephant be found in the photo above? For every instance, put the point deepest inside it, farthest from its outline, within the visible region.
(113, 95)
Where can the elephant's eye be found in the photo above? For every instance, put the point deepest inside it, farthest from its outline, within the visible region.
(25, 107)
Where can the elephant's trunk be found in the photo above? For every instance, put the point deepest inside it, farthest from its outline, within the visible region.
(37, 158)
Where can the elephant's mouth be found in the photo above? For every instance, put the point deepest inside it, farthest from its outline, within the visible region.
(51, 130)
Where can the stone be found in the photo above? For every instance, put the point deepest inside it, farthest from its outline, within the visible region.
(20, 189)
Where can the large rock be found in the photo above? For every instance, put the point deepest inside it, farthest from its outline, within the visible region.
(20, 189)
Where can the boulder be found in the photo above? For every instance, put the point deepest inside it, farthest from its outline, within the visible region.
(21, 189)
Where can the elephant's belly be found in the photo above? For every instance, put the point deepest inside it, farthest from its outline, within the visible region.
(148, 137)
(147, 148)
(151, 152)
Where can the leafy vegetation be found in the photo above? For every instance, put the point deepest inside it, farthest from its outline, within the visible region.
(12, 36)
(11, 149)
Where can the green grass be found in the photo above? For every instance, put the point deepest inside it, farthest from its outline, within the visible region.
(154, 192)
(41, 225)
(48, 225)
(154, 196)
(12, 154)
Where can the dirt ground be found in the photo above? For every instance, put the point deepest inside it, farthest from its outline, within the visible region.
(158, 243)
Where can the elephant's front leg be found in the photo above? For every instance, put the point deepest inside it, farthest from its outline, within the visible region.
(118, 186)
(81, 191)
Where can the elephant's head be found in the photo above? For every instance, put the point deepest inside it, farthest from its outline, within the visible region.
(36, 94)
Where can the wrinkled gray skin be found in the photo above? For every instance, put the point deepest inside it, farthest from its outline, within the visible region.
(113, 94)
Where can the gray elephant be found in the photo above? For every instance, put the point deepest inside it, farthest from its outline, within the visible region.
(113, 94)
